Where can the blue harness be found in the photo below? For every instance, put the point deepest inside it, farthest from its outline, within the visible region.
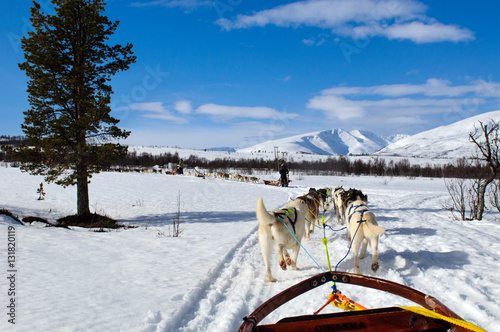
(355, 207)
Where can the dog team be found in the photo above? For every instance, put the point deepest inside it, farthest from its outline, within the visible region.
(287, 226)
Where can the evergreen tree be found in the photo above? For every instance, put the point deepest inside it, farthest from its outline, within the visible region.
(69, 66)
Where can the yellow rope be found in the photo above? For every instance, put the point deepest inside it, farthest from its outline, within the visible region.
(454, 321)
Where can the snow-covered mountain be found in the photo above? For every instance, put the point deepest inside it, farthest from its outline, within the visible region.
(329, 142)
(450, 141)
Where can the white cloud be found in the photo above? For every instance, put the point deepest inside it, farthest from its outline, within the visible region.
(156, 110)
(433, 87)
(403, 103)
(241, 134)
(309, 41)
(337, 107)
(183, 106)
(223, 112)
(403, 19)
(420, 32)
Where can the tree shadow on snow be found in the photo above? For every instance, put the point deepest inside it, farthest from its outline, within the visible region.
(209, 217)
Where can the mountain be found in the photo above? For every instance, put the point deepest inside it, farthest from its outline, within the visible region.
(329, 142)
(450, 141)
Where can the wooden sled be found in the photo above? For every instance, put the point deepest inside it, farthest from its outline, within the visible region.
(392, 319)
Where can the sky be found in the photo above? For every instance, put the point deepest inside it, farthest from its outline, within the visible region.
(234, 73)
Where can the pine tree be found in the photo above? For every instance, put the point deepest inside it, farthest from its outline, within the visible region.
(69, 66)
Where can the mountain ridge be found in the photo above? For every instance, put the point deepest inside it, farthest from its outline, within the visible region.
(448, 141)
(327, 142)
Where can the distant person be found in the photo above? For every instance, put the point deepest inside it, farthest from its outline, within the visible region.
(180, 167)
(284, 175)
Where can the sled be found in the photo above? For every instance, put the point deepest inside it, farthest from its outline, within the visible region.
(276, 183)
(390, 319)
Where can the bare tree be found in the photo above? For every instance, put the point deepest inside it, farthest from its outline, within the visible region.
(462, 196)
(176, 220)
(486, 140)
(494, 196)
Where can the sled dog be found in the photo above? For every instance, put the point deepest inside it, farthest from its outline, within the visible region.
(362, 228)
(325, 197)
(277, 227)
(338, 204)
(311, 199)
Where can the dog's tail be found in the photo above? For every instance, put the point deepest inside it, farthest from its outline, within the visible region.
(372, 227)
(376, 230)
(263, 216)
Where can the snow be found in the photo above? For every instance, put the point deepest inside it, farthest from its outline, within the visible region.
(450, 141)
(142, 279)
(328, 142)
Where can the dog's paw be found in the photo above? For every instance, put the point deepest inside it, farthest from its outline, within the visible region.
(271, 279)
(282, 265)
(294, 268)
(288, 261)
(375, 267)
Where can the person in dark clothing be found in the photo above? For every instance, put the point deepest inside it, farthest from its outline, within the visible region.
(284, 175)
(180, 167)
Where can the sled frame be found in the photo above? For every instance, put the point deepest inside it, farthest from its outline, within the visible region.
(391, 319)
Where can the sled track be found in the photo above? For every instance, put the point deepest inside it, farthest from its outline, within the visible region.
(226, 295)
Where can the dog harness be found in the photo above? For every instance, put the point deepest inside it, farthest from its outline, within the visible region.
(355, 207)
(287, 213)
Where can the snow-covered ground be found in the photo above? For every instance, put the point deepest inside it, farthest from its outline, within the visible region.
(211, 276)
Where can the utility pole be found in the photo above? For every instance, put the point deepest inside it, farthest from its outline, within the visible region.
(276, 158)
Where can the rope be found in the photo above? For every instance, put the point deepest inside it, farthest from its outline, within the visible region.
(350, 245)
(325, 241)
(342, 302)
(454, 321)
(300, 244)
(330, 227)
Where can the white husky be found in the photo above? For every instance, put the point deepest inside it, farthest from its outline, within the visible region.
(272, 230)
(362, 228)
(338, 204)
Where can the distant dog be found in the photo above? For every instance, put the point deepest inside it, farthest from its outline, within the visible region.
(338, 204)
(362, 228)
(277, 227)
(325, 197)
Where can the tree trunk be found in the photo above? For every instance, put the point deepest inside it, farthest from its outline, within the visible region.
(82, 191)
(482, 193)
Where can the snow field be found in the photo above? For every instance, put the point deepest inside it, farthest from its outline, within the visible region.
(211, 276)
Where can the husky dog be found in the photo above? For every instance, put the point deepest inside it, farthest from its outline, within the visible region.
(311, 199)
(325, 197)
(338, 204)
(362, 228)
(286, 227)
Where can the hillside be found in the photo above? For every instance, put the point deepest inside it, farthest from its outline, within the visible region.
(329, 142)
(450, 141)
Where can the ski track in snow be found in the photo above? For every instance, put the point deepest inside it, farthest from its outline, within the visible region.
(215, 296)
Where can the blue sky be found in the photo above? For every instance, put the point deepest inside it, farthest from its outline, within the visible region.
(213, 73)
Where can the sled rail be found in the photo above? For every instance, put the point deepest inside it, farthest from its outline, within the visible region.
(382, 319)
